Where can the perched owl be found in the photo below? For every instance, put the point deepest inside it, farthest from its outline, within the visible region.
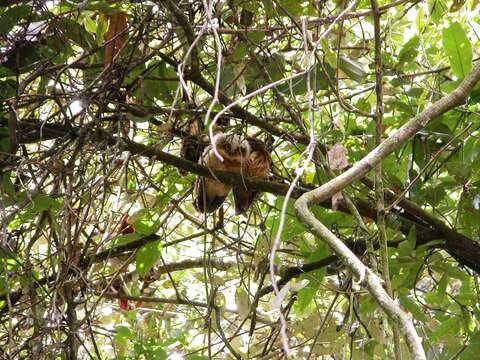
(258, 164)
(235, 151)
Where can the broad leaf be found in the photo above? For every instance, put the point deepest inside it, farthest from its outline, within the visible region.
(409, 51)
(458, 49)
(147, 256)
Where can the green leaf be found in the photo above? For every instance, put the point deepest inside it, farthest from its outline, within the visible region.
(3, 285)
(354, 70)
(145, 221)
(90, 25)
(256, 36)
(40, 203)
(28, 55)
(44, 202)
(407, 247)
(412, 274)
(127, 238)
(409, 51)
(8, 89)
(320, 79)
(473, 348)
(228, 75)
(164, 87)
(122, 335)
(124, 332)
(159, 354)
(445, 267)
(147, 256)
(105, 7)
(102, 27)
(437, 9)
(6, 72)
(412, 307)
(442, 288)
(447, 328)
(304, 298)
(12, 16)
(269, 7)
(239, 52)
(293, 8)
(77, 33)
(420, 21)
(367, 305)
(242, 300)
(458, 49)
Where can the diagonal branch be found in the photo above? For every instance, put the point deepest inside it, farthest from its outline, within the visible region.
(367, 278)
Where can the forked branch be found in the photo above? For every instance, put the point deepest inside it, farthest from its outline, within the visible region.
(366, 277)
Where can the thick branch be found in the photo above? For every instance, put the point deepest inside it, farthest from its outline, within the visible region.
(370, 280)
(459, 246)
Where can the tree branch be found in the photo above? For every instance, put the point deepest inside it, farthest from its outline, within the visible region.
(463, 249)
(367, 278)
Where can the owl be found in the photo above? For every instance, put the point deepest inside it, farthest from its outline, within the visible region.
(235, 151)
(258, 164)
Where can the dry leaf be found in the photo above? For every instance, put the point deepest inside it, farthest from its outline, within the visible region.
(337, 157)
(114, 41)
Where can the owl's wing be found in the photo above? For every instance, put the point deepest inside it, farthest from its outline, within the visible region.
(258, 165)
(209, 194)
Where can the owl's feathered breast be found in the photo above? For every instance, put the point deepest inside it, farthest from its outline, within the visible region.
(234, 151)
(258, 165)
(259, 162)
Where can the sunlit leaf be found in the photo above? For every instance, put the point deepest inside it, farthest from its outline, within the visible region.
(147, 256)
(473, 348)
(413, 308)
(409, 51)
(354, 70)
(458, 49)
(77, 33)
(437, 9)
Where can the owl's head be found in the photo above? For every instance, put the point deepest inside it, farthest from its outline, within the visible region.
(232, 147)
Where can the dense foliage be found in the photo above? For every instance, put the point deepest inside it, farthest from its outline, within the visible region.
(102, 253)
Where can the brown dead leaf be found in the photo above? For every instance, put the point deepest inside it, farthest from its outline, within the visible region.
(113, 41)
(337, 157)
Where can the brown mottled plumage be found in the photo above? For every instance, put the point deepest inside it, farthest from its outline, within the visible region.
(257, 165)
(235, 150)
